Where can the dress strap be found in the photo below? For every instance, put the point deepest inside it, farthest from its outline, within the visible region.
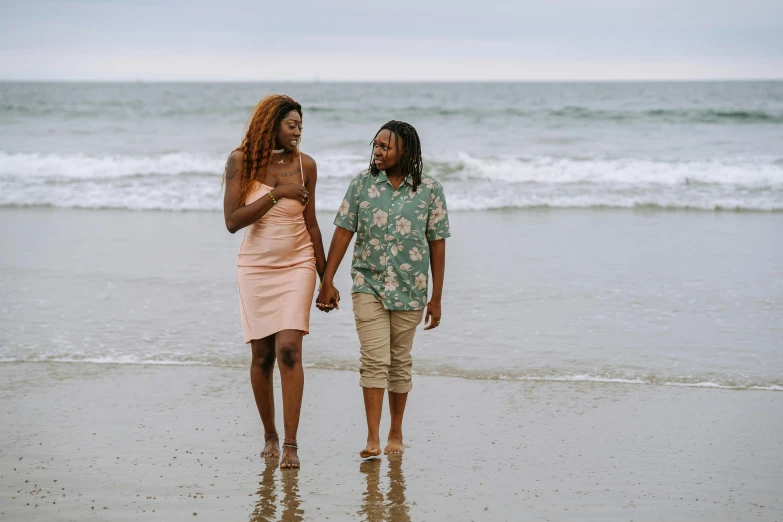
(301, 168)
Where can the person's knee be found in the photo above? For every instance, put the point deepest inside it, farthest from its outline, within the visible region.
(401, 359)
(375, 363)
(288, 354)
(400, 371)
(374, 371)
(400, 362)
(264, 358)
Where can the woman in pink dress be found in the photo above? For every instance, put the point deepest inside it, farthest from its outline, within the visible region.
(270, 191)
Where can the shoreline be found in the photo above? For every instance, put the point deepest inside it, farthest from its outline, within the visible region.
(587, 379)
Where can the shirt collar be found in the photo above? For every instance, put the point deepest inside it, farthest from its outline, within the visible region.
(382, 177)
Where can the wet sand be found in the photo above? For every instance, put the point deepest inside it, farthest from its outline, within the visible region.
(133, 442)
(648, 296)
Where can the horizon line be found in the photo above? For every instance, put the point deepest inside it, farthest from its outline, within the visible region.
(316, 81)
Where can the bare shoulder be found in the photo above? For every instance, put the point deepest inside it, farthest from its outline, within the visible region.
(234, 164)
(237, 157)
(307, 161)
(309, 166)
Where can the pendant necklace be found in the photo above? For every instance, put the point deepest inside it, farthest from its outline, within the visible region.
(278, 151)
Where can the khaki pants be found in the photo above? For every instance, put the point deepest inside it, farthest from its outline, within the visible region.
(386, 338)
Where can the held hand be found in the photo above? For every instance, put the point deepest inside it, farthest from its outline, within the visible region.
(433, 315)
(328, 298)
(291, 191)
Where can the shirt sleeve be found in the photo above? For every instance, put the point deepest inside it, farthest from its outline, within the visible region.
(438, 221)
(348, 214)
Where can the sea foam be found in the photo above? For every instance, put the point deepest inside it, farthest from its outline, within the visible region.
(185, 181)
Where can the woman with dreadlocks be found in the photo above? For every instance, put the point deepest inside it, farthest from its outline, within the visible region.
(399, 217)
(270, 189)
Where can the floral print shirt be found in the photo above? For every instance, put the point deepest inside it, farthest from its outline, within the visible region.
(393, 228)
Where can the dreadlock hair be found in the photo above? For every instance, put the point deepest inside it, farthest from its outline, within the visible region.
(259, 140)
(410, 161)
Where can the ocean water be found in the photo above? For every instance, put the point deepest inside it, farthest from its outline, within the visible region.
(623, 233)
(163, 146)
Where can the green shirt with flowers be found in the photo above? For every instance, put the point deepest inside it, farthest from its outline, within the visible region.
(393, 228)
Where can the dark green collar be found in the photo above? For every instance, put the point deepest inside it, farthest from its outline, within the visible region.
(382, 177)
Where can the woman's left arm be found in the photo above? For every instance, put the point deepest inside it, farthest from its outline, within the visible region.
(311, 177)
(438, 267)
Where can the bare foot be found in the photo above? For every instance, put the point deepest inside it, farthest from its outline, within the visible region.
(271, 448)
(394, 446)
(290, 459)
(373, 449)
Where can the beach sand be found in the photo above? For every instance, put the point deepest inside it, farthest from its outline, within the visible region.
(145, 442)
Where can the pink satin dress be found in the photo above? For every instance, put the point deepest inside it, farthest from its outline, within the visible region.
(276, 270)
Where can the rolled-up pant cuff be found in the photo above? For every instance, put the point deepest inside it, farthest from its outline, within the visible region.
(370, 382)
(400, 387)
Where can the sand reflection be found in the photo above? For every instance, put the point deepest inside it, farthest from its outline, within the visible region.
(399, 511)
(268, 496)
(372, 499)
(377, 508)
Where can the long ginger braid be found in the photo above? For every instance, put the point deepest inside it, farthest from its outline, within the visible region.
(259, 140)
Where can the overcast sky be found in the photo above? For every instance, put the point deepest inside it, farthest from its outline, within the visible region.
(405, 40)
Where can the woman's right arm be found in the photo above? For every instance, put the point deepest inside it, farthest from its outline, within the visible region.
(238, 217)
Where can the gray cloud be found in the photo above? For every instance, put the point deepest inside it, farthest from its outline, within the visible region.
(373, 40)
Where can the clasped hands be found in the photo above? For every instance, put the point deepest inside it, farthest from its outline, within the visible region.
(328, 298)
